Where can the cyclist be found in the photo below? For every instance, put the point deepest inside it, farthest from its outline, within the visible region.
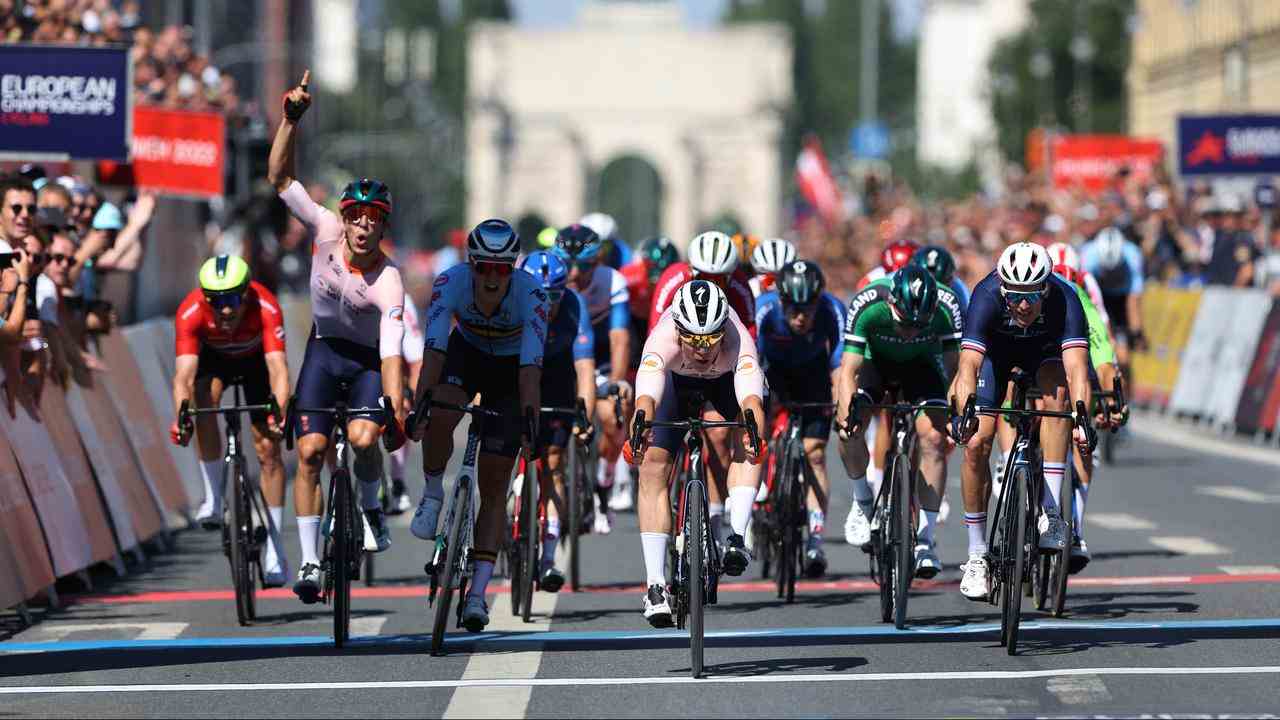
(411, 348)
(496, 350)
(1021, 315)
(569, 374)
(699, 348)
(228, 330)
(799, 340)
(614, 251)
(938, 261)
(768, 259)
(894, 256)
(1117, 265)
(1065, 256)
(605, 290)
(898, 332)
(357, 304)
(653, 258)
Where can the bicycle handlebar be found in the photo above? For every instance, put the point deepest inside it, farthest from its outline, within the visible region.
(188, 414)
(338, 411)
(747, 423)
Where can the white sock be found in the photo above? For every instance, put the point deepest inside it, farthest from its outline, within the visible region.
(875, 476)
(397, 462)
(435, 485)
(273, 557)
(929, 521)
(480, 580)
(716, 511)
(308, 534)
(369, 494)
(861, 490)
(1082, 497)
(976, 524)
(655, 557)
(214, 483)
(742, 499)
(604, 474)
(1053, 473)
(550, 539)
(621, 471)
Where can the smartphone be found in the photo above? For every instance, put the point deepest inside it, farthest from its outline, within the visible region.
(6, 260)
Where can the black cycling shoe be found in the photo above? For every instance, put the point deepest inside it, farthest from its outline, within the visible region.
(736, 556)
(552, 580)
(815, 562)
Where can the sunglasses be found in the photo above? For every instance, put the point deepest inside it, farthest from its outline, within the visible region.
(60, 258)
(702, 342)
(484, 267)
(17, 209)
(223, 301)
(353, 213)
(1013, 298)
(793, 309)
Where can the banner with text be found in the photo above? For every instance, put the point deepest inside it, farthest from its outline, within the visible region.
(65, 102)
(1228, 144)
(1092, 161)
(175, 152)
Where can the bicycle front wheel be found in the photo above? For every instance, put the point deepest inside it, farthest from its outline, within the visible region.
(343, 535)
(695, 538)
(448, 574)
(787, 546)
(573, 488)
(530, 530)
(241, 527)
(1017, 516)
(903, 539)
(1060, 562)
(882, 543)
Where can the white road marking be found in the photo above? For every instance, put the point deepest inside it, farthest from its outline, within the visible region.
(1078, 689)
(145, 631)
(1249, 569)
(367, 626)
(1233, 492)
(476, 701)
(665, 680)
(1119, 521)
(1170, 432)
(1189, 545)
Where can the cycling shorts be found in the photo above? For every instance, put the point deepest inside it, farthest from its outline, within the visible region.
(330, 363)
(497, 379)
(809, 383)
(993, 378)
(559, 389)
(921, 380)
(249, 372)
(679, 398)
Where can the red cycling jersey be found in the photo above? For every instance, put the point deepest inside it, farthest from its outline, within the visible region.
(639, 291)
(737, 290)
(261, 328)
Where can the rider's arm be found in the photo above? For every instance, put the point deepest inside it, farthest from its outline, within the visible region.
(584, 358)
(280, 164)
(533, 341)
(619, 328)
(1075, 347)
(126, 253)
(186, 331)
(853, 352)
(660, 350)
(390, 302)
(748, 378)
(850, 364)
(278, 376)
(435, 331)
(184, 380)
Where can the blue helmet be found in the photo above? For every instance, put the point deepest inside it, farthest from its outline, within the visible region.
(578, 243)
(548, 268)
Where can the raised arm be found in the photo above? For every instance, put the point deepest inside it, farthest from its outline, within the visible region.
(280, 163)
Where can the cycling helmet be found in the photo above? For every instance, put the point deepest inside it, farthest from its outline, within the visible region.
(746, 245)
(366, 191)
(493, 240)
(224, 274)
(1063, 254)
(700, 308)
(771, 256)
(547, 238)
(713, 253)
(602, 225)
(578, 243)
(938, 261)
(548, 268)
(1110, 242)
(659, 253)
(897, 254)
(800, 282)
(1024, 263)
(914, 296)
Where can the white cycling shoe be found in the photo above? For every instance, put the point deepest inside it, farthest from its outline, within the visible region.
(209, 516)
(975, 585)
(857, 528)
(603, 522)
(426, 518)
(620, 499)
(1053, 532)
(927, 562)
(657, 607)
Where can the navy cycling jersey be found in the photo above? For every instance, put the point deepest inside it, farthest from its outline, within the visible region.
(570, 329)
(781, 348)
(989, 329)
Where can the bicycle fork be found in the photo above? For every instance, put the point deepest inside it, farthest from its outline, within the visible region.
(440, 549)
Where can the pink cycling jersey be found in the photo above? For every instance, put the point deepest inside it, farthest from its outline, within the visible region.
(346, 302)
(663, 355)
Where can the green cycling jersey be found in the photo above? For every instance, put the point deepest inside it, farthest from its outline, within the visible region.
(871, 331)
(1101, 351)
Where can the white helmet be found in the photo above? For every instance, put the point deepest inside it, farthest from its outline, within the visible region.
(771, 256)
(493, 240)
(1064, 254)
(604, 225)
(1024, 263)
(1110, 242)
(700, 308)
(713, 253)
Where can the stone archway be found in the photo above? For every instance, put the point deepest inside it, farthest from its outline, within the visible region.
(630, 189)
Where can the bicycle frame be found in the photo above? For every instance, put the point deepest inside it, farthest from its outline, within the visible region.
(468, 481)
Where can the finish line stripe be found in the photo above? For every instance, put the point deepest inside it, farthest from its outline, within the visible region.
(562, 682)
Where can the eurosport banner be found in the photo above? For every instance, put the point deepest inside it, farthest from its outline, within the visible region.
(1257, 410)
(1228, 144)
(63, 102)
(175, 152)
(1092, 161)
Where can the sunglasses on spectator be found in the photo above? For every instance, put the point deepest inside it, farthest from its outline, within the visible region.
(60, 258)
(484, 267)
(1013, 298)
(353, 213)
(17, 209)
(701, 342)
(223, 301)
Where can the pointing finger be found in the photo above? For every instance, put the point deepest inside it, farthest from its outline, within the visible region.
(306, 79)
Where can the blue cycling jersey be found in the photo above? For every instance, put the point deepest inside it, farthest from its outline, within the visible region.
(570, 329)
(1123, 279)
(780, 347)
(989, 329)
(517, 327)
(607, 300)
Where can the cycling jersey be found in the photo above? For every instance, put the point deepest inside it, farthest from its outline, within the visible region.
(663, 356)
(606, 295)
(1123, 279)
(779, 347)
(871, 331)
(261, 328)
(1101, 352)
(639, 289)
(956, 287)
(1094, 293)
(365, 307)
(517, 327)
(989, 328)
(737, 290)
(761, 284)
(411, 347)
(570, 330)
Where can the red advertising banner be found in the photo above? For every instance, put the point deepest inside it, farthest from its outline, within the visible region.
(175, 152)
(1092, 161)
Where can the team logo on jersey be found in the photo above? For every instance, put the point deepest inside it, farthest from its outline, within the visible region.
(863, 299)
(440, 280)
(651, 361)
(396, 313)
(280, 333)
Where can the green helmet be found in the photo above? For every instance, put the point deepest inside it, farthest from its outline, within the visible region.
(366, 191)
(224, 273)
(547, 238)
(659, 253)
(938, 261)
(914, 296)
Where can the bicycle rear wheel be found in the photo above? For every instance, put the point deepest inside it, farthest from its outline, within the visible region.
(903, 539)
(1061, 561)
(342, 535)
(882, 543)
(1017, 517)
(786, 565)
(241, 534)
(695, 538)
(530, 531)
(573, 490)
(447, 574)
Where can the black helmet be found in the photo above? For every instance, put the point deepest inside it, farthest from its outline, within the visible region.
(914, 295)
(801, 282)
(938, 261)
(659, 253)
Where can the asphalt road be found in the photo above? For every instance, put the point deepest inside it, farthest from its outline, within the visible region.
(1177, 614)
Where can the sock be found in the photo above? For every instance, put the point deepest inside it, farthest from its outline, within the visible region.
(976, 523)
(480, 580)
(621, 471)
(817, 523)
(655, 557)
(368, 470)
(875, 476)
(716, 511)
(1082, 497)
(273, 558)
(861, 490)
(1053, 473)
(435, 485)
(604, 474)
(550, 539)
(369, 494)
(397, 463)
(308, 533)
(214, 483)
(741, 499)
(929, 521)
